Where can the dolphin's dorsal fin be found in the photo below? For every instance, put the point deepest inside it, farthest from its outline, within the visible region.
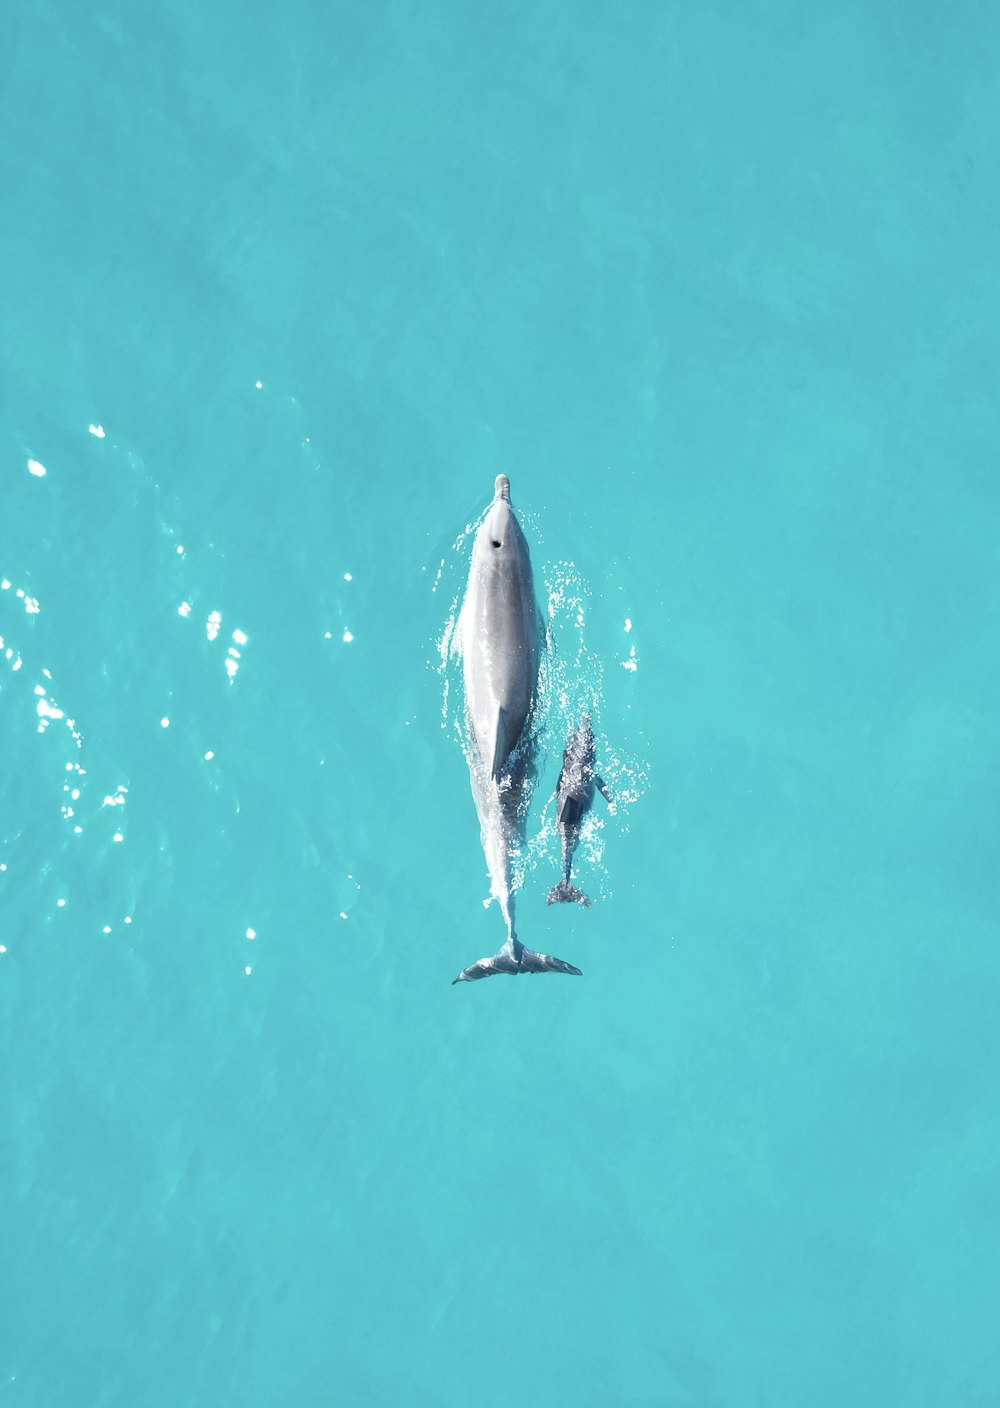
(500, 749)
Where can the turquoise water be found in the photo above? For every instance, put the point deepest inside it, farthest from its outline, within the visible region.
(284, 290)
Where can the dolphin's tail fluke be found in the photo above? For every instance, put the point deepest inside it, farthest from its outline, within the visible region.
(502, 962)
(532, 962)
(512, 959)
(565, 893)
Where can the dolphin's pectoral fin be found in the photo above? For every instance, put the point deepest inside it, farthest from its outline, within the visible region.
(500, 749)
(512, 959)
(601, 786)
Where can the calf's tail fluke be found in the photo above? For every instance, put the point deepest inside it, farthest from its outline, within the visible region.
(513, 959)
(565, 893)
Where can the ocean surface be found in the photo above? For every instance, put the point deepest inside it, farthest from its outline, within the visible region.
(284, 289)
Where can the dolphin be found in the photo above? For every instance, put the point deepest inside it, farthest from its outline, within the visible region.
(574, 798)
(499, 637)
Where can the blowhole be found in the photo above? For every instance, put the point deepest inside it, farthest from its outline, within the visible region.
(497, 543)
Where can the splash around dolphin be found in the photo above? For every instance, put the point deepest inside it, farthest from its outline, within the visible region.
(500, 637)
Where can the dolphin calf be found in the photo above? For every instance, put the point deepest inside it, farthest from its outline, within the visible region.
(574, 798)
(499, 636)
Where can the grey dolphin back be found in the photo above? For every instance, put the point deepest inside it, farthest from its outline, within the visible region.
(501, 633)
(574, 798)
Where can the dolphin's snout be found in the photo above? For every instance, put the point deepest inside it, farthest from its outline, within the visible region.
(501, 489)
